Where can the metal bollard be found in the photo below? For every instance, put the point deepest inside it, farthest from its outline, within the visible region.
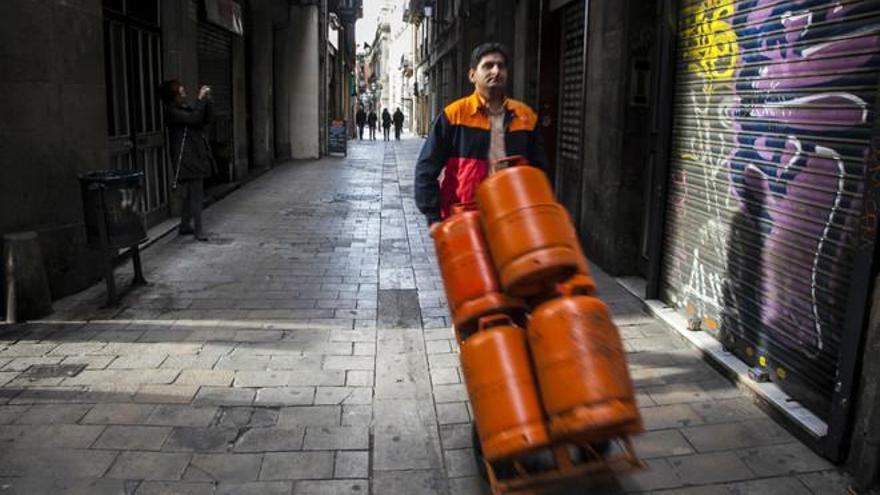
(27, 293)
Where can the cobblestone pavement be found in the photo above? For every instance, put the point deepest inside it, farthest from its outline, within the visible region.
(306, 349)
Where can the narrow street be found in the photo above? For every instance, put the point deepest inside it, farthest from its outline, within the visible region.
(306, 349)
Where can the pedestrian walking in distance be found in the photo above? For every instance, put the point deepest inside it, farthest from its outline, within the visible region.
(398, 123)
(360, 118)
(472, 133)
(372, 119)
(191, 157)
(386, 125)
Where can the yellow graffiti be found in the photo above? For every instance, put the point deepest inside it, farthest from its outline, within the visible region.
(711, 47)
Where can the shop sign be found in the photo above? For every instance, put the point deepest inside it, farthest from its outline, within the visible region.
(226, 14)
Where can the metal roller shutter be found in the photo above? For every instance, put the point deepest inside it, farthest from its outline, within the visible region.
(774, 109)
(571, 106)
(215, 70)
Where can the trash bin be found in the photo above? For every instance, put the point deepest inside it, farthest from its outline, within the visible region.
(114, 217)
(112, 201)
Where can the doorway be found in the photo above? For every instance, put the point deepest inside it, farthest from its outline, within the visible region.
(133, 71)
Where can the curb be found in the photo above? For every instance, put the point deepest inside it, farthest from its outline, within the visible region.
(768, 394)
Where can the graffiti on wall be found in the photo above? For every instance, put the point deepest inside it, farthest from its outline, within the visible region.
(772, 135)
(711, 53)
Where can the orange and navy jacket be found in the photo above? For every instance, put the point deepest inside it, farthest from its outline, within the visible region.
(458, 147)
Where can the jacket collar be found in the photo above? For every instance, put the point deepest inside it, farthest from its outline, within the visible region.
(476, 103)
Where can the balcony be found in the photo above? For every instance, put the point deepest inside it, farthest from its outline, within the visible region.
(348, 11)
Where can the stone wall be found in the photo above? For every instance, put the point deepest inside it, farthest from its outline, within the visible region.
(52, 98)
(616, 138)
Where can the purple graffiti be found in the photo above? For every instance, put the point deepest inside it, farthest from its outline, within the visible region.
(794, 107)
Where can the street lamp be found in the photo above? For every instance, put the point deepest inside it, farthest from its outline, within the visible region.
(429, 8)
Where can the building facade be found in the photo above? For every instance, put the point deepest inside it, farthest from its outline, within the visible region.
(86, 100)
(445, 31)
(379, 60)
(400, 73)
(722, 152)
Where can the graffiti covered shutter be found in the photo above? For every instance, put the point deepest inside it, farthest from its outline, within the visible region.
(773, 112)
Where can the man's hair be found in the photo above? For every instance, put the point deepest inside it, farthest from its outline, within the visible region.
(486, 48)
(169, 90)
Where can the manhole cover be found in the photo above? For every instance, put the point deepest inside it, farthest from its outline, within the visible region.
(54, 371)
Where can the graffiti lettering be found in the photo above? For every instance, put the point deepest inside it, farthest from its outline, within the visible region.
(765, 188)
(711, 43)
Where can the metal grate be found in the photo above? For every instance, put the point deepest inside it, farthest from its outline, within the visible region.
(569, 164)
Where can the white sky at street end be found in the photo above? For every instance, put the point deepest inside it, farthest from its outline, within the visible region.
(365, 29)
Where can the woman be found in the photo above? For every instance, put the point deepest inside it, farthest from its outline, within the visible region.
(191, 159)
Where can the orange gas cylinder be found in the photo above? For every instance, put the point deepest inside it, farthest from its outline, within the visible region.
(462, 207)
(581, 368)
(468, 274)
(529, 234)
(582, 278)
(501, 387)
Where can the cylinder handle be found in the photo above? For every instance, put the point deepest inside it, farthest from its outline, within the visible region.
(510, 160)
(494, 321)
(574, 286)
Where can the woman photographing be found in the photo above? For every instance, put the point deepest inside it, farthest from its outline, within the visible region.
(191, 157)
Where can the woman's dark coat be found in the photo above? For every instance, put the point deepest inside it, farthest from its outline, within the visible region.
(386, 119)
(196, 161)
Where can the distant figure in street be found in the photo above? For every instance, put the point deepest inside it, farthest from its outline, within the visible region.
(471, 134)
(386, 125)
(360, 118)
(191, 158)
(398, 123)
(371, 121)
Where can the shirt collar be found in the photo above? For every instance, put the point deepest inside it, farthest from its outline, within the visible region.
(479, 104)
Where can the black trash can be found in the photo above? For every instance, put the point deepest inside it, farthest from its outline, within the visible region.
(113, 202)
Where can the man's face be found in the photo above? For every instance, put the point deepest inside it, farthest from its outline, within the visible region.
(490, 74)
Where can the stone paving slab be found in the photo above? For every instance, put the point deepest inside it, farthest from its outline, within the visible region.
(306, 349)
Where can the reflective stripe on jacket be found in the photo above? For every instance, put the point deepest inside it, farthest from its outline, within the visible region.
(458, 147)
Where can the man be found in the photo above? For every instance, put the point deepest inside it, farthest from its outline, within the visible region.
(398, 123)
(372, 118)
(360, 118)
(386, 124)
(471, 134)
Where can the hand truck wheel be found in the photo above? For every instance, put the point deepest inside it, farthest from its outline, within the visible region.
(478, 454)
(601, 448)
(503, 469)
